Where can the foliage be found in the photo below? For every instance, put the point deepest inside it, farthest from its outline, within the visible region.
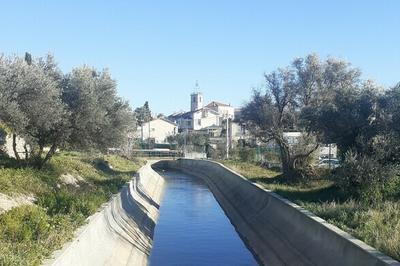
(290, 92)
(363, 177)
(50, 109)
(244, 154)
(28, 235)
(347, 119)
(98, 118)
(188, 138)
(327, 102)
(143, 114)
(30, 104)
(191, 141)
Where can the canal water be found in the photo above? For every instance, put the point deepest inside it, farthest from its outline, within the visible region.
(192, 229)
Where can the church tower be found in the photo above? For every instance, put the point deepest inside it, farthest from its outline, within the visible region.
(196, 99)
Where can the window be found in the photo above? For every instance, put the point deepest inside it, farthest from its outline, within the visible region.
(199, 122)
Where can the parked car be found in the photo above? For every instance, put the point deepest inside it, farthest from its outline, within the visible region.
(326, 163)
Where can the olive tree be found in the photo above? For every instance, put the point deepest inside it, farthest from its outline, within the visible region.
(31, 105)
(50, 110)
(290, 98)
(99, 119)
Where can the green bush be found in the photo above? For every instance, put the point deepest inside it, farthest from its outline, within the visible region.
(365, 178)
(247, 154)
(24, 224)
(78, 205)
(28, 234)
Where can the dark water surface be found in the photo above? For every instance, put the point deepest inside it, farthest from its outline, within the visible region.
(192, 229)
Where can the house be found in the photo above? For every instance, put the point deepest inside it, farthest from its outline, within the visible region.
(158, 129)
(224, 110)
(212, 131)
(196, 120)
(200, 116)
(210, 119)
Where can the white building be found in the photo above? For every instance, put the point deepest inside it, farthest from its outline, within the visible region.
(200, 116)
(158, 129)
(223, 109)
(196, 120)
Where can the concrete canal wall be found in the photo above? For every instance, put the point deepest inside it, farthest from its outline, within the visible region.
(277, 231)
(121, 233)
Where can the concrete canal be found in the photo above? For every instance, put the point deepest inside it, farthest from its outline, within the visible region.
(194, 217)
(192, 229)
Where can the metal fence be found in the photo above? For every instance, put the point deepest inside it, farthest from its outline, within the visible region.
(156, 153)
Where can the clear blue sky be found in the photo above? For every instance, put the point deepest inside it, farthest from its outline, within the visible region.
(158, 49)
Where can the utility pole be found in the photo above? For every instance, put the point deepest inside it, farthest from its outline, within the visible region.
(329, 156)
(184, 143)
(148, 142)
(141, 127)
(227, 137)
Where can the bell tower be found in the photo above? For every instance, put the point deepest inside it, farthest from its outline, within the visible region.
(196, 99)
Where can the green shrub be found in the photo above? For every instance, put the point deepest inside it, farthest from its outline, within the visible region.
(25, 224)
(247, 154)
(28, 234)
(364, 178)
(77, 205)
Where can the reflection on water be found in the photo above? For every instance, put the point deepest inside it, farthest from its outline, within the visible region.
(192, 229)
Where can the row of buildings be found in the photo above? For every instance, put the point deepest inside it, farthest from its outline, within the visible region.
(208, 119)
(216, 119)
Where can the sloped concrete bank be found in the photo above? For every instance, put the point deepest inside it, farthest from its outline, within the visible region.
(277, 231)
(121, 233)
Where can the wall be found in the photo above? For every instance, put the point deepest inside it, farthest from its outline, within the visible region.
(206, 117)
(8, 146)
(121, 233)
(222, 109)
(277, 231)
(159, 130)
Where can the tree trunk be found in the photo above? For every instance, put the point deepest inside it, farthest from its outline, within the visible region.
(50, 154)
(26, 152)
(14, 145)
(37, 158)
(288, 169)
